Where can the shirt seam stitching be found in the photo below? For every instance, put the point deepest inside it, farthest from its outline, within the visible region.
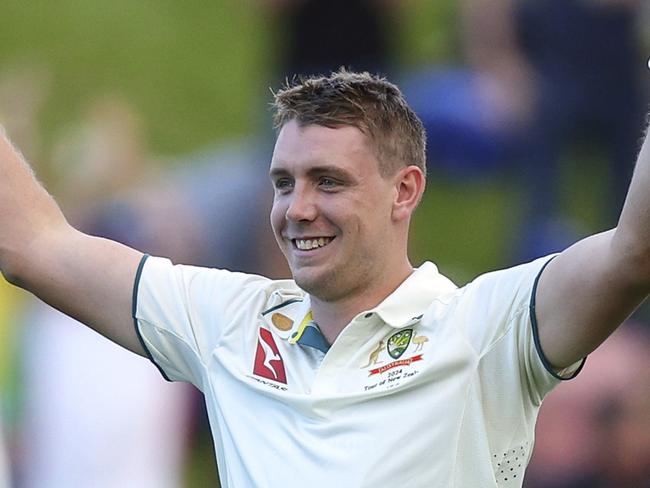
(164, 331)
(506, 331)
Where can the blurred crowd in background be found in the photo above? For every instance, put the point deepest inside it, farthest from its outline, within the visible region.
(534, 111)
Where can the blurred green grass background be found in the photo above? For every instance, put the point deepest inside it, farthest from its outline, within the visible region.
(197, 71)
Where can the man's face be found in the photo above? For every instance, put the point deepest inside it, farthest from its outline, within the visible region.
(331, 211)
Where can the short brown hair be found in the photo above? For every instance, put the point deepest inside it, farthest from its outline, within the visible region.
(368, 102)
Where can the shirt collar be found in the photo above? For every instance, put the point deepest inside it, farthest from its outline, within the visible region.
(408, 302)
(287, 309)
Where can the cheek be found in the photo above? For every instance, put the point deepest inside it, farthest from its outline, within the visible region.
(277, 218)
(373, 212)
(374, 224)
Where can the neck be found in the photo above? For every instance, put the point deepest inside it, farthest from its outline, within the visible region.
(333, 316)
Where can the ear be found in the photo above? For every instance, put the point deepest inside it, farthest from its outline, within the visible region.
(409, 187)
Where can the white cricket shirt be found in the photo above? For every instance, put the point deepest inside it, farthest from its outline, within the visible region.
(438, 386)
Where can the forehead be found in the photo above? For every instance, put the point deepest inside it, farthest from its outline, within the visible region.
(299, 147)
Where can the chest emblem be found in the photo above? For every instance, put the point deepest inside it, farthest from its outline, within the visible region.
(374, 355)
(268, 362)
(399, 342)
(419, 342)
(281, 321)
(388, 357)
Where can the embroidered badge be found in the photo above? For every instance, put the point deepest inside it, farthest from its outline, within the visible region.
(396, 364)
(399, 342)
(281, 321)
(374, 355)
(419, 341)
(387, 367)
(268, 362)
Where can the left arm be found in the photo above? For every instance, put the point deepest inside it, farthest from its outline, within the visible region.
(593, 286)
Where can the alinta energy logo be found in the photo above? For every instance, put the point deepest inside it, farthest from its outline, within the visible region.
(268, 362)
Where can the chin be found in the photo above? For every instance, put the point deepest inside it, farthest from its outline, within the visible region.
(310, 280)
(306, 281)
(316, 285)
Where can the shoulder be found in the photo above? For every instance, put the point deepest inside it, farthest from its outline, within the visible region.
(160, 280)
(506, 287)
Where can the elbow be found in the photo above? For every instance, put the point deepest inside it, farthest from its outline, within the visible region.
(24, 259)
(12, 278)
(12, 270)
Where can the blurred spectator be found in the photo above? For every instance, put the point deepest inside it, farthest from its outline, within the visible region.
(573, 68)
(470, 133)
(475, 114)
(95, 414)
(541, 77)
(227, 189)
(319, 37)
(595, 432)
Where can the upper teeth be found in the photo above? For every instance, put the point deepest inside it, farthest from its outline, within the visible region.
(306, 244)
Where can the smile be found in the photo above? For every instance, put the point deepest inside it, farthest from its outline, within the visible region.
(309, 244)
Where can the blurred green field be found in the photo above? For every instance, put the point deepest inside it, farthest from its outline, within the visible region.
(191, 68)
(197, 71)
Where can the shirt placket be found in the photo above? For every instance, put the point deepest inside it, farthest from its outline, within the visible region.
(337, 361)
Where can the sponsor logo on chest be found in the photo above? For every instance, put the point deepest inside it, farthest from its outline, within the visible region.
(268, 361)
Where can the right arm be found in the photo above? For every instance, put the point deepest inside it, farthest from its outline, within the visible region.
(88, 278)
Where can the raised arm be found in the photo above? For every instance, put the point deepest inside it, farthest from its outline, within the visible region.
(593, 286)
(88, 278)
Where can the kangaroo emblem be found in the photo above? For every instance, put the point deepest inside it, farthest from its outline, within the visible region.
(419, 342)
(374, 355)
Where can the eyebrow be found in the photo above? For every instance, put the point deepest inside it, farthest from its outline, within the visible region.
(315, 171)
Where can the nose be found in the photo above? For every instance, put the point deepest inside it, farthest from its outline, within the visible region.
(302, 206)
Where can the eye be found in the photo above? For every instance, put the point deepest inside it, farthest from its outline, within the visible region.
(283, 184)
(327, 182)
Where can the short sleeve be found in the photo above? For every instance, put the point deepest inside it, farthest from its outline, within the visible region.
(540, 368)
(502, 327)
(180, 313)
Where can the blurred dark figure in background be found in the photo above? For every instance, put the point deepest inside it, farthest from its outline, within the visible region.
(319, 36)
(587, 58)
(577, 66)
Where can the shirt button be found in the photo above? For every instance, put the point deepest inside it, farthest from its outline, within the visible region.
(368, 315)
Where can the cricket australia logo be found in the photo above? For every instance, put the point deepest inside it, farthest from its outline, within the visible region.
(387, 356)
(399, 342)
